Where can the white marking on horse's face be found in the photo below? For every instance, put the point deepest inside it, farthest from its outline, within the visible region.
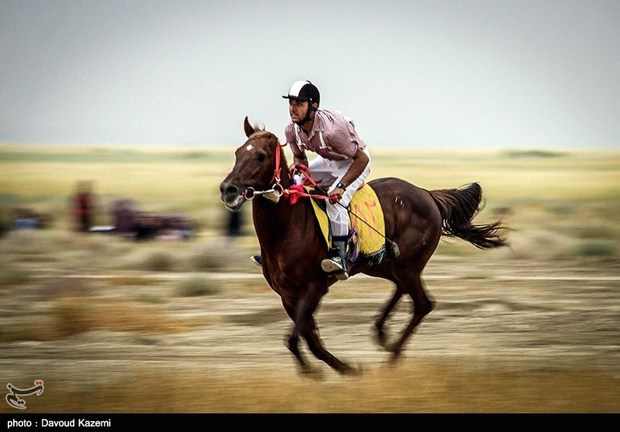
(249, 147)
(398, 200)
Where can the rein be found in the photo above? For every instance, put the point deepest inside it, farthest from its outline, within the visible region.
(277, 190)
(297, 191)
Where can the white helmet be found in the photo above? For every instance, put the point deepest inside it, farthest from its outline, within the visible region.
(304, 91)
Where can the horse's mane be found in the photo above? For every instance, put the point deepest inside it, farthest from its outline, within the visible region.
(260, 134)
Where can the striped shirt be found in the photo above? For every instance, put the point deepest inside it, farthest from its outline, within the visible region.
(333, 137)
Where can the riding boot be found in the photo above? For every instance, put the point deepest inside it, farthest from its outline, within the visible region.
(337, 262)
(257, 259)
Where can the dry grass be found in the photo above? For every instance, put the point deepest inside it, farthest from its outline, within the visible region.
(67, 316)
(74, 315)
(424, 387)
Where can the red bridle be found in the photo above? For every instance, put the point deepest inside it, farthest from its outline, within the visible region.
(295, 191)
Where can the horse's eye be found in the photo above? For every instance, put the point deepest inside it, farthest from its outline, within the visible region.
(261, 158)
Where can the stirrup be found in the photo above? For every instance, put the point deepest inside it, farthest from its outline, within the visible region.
(334, 266)
(257, 259)
(343, 275)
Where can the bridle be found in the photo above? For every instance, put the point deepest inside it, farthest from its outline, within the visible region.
(277, 190)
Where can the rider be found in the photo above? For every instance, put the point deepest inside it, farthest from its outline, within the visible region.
(340, 167)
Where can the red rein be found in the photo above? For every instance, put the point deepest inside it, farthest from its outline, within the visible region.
(294, 192)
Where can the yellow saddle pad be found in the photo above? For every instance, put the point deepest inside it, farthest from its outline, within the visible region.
(366, 218)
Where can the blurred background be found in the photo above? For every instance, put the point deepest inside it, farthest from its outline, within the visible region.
(119, 265)
(414, 74)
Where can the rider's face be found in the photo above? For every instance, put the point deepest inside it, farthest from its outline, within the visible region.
(297, 109)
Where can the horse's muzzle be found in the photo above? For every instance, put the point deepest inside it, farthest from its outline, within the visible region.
(231, 196)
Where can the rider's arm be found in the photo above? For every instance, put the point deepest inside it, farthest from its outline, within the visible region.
(360, 160)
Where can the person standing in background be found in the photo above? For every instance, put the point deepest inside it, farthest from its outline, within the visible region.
(84, 206)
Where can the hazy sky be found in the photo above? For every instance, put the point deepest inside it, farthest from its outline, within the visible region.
(515, 74)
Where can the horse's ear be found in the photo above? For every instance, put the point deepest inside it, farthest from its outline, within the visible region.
(249, 129)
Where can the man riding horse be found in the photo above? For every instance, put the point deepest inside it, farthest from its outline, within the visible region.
(341, 166)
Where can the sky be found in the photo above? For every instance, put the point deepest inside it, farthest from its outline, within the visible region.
(437, 74)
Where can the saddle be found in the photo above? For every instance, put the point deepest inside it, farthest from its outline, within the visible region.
(366, 224)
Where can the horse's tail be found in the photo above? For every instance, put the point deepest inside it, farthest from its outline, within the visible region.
(458, 207)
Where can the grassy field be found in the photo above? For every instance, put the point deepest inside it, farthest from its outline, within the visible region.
(567, 201)
(90, 313)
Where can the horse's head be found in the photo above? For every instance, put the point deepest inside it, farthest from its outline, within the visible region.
(257, 169)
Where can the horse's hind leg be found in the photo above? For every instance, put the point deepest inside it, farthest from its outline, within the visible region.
(422, 306)
(384, 315)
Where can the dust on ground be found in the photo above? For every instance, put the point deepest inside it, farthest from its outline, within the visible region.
(538, 336)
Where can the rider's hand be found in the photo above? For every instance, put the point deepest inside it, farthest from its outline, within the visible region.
(336, 195)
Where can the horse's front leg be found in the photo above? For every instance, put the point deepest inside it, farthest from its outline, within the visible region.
(318, 349)
(292, 340)
(305, 326)
(296, 313)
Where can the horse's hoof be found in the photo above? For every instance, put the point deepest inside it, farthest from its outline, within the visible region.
(348, 370)
(358, 370)
(381, 340)
(395, 352)
(312, 373)
(380, 336)
(395, 357)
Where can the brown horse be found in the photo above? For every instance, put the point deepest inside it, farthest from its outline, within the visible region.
(292, 246)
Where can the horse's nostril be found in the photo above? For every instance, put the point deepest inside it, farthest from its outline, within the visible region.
(228, 189)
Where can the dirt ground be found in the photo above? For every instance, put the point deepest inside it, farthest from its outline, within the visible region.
(508, 336)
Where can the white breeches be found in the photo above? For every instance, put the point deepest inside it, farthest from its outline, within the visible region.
(327, 174)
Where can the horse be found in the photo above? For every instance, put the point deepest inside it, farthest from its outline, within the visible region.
(292, 246)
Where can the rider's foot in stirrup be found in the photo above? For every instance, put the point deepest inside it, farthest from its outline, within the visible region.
(335, 265)
(257, 259)
(332, 264)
